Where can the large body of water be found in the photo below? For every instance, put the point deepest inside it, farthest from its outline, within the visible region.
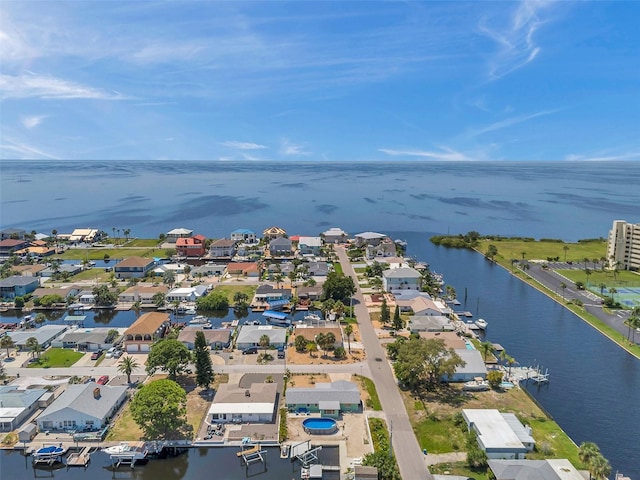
(594, 384)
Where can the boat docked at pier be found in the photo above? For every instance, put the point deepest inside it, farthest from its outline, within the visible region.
(127, 452)
(277, 318)
(49, 454)
(481, 323)
(312, 317)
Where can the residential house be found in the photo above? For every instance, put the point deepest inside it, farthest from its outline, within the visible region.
(242, 235)
(86, 235)
(176, 268)
(12, 233)
(37, 249)
(191, 247)
(17, 286)
(429, 323)
(145, 331)
(474, 366)
(187, 294)
(29, 270)
(86, 297)
(235, 404)
(64, 292)
(284, 269)
(280, 246)
(369, 238)
(422, 305)
(334, 235)
(44, 335)
(309, 294)
(88, 339)
(403, 278)
(88, 406)
(217, 338)
(133, 267)
(243, 269)
(222, 248)
(249, 336)
(310, 333)
(500, 435)
(329, 399)
(309, 245)
(273, 232)
(386, 248)
(142, 294)
(548, 469)
(176, 233)
(12, 245)
(16, 405)
(64, 269)
(274, 297)
(318, 269)
(209, 269)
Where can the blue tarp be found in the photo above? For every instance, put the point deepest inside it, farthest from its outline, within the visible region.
(274, 314)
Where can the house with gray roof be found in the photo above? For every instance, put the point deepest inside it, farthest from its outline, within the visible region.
(83, 407)
(234, 404)
(334, 235)
(403, 278)
(549, 469)
(87, 339)
(369, 238)
(7, 233)
(65, 268)
(17, 405)
(244, 235)
(280, 246)
(216, 338)
(429, 323)
(329, 399)
(500, 435)
(44, 335)
(250, 335)
(17, 286)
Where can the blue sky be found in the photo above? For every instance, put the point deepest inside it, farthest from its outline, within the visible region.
(320, 81)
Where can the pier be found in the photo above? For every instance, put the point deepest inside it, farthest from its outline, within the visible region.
(252, 454)
(79, 459)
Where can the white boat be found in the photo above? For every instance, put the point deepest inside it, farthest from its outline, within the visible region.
(190, 311)
(478, 384)
(312, 317)
(131, 451)
(49, 452)
(199, 320)
(284, 450)
(481, 323)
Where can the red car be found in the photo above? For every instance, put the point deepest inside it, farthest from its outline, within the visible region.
(103, 380)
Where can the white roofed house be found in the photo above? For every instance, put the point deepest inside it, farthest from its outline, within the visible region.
(176, 233)
(142, 293)
(404, 278)
(187, 294)
(16, 405)
(44, 335)
(334, 235)
(250, 335)
(309, 245)
(234, 404)
(500, 435)
(369, 238)
(83, 407)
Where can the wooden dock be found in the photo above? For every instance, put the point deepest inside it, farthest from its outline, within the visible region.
(80, 459)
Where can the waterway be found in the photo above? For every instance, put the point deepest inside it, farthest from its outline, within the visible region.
(594, 384)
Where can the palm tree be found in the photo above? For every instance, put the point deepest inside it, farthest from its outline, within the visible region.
(127, 366)
(599, 468)
(565, 248)
(523, 254)
(486, 348)
(278, 277)
(612, 291)
(634, 324)
(586, 452)
(33, 345)
(511, 362)
(126, 233)
(563, 286)
(602, 286)
(7, 342)
(348, 330)
(264, 342)
(588, 272)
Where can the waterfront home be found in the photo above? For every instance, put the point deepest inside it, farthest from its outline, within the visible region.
(249, 336)
(369, 238)
(328, 399)
(429, 323)
(88, 339)
(44, 336)
(86, 235)
(133, 267)
(473, 368)
(176, 233)
(310, 333)
(64, 269)
(29, 270)
(423, 305)
(334, 235)
(86, 297)
(87, 406)
(145, 331)
(451, 339)
(235, 404)
(306, 295)
(403, 278)
(243, 269)
(386, 248)
(17, 286)
(36, 250)
(142, 294)
(216, 338)
(11, 245)
(273, 232)
(500, 435)
(64, 292)
(222, 248)
(309, 245)
(244, 235)
(280, 246)
(191, 247)
(273, 297)
(208, 269)
(187, 294)
(17, 405)
(12, 233)
(549, 469)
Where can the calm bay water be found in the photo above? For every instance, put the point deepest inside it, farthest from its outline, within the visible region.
(594, 384)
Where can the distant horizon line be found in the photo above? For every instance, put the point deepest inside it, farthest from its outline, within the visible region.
(386, 160)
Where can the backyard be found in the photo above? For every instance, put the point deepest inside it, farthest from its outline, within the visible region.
(55, 358)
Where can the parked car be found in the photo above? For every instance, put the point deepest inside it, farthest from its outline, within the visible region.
(96, 355)
(250, 350)
(280, 353)
(111, 352)
(103, 380)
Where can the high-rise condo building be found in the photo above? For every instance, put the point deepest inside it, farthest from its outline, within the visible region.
(623, 249)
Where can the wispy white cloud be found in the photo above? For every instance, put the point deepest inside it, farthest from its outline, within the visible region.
(509, 122)
(12, 149)
(446, 153)
(32, 121)
(45, 86)
(290, 149)
(603, 157)
(516, 45)
(243, 145)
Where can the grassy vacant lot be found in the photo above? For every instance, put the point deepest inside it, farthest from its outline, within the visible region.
(57, 357)
(623, 278)
(98, 253)
(143, 242)
(230, 290)
(91, 274)
(436, 421)
(540, 250)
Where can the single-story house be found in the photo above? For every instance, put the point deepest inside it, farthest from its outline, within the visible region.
(187, 294)
(14, 233)
(500, 435)
(191, 247)
(549, 469)
(386, 248)
(284, 268)
(37, 251)
(145, 331)
(273, 232)
(142, 293)
(429, 323)
(244, 235)
(11, 245)
(422, 305)
(329, 399)
(17, 405)
(44, 335)
(222, 248)
(65, 268)
(270, 294)
(176, 233)
(209, 269)
(233, 404)
(403, 278)
(86, 297)
(249, 336)
(133, 267)
(244, 269)
(175, 267)
(83, 407)
(29, 270)
(64, 292)
(88, 235)
(309, 293)
(334, 235)
(318, 269)
(87, 339)
(17, 286)
(474, 366)
(451, 339)
(217, 338)
(280, 246)
(309, 245)
(369, 238)
(311, 333)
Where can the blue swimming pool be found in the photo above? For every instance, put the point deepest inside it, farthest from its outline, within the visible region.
(469, 345)
(320, 426)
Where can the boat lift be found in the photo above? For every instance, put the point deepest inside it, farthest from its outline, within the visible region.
(251, 453)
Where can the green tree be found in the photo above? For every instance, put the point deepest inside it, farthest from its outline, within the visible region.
(170, 355)
(18, 302)
(337, 286)
(264, 342)
(204, 366)
(213, 301)
(104, 297)
(160, 409)
(385, 313)
(587, 451)
(158, 299)
(491, 252)
(33, 345)
(312, 347)
(494, 377)
(348, 331)
(241, 300)
(339, 352)
(476, 456)
(300, 343)
(563, 286)
(127, 367)
(7, 342)
(486, 348)
(565, 248)
(169, 278)
(397, 324)
(599, 468)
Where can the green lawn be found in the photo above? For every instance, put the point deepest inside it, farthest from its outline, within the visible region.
(623, 278)
(92, 274)
(143, 242)
(230, 290)
(373, 402)
(576, 252)
(338, 268)
(57, 357)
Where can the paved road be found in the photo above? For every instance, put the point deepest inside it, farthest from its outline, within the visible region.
(405, 445)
